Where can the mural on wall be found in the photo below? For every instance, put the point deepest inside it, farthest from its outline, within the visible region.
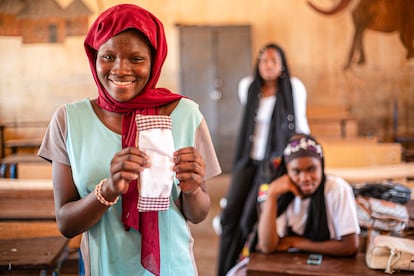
(378, 15)
(43, 21)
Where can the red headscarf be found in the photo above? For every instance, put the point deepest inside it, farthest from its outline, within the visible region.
(110, 23)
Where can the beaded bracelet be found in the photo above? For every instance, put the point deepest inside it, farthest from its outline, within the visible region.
(99, 196)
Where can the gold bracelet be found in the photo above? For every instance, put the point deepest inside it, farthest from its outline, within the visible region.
(99, 196)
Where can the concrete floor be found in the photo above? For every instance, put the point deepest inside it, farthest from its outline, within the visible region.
(206, 240)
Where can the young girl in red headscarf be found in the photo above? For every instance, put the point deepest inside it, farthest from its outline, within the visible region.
(97, 166)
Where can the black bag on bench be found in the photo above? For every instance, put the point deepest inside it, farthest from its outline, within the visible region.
(390, 191)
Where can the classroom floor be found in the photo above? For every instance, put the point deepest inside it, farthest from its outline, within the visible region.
(206, 240)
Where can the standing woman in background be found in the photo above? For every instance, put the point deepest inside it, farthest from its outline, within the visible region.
(275, 109)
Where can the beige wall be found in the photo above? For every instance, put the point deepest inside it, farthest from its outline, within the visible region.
(36, 78)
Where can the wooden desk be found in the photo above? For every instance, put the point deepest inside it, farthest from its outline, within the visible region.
(332, 121)
(27, 212)
(23, 143)
(346, 140)
(32, 254)
(25, 185)
(295, 264)
(334, 126)
(351, 154)
(15, 144)
(19, 135)
(9, 164)
(402, 171)
(26, 200)
(26, 209)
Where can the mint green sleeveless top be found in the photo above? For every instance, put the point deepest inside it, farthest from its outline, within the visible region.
(112, 250)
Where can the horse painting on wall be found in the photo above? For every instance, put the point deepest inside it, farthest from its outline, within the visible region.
(378, 15)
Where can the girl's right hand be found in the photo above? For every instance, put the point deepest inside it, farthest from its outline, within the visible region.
(282, 185)
(125, 167)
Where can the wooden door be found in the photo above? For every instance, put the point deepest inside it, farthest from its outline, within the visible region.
(213, 60)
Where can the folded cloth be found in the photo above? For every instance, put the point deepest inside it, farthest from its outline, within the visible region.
(155, 139)
(381, 214)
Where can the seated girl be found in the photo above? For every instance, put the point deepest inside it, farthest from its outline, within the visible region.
(305, 209)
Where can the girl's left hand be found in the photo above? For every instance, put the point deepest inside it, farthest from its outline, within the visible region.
(289, 242)
(189, 169)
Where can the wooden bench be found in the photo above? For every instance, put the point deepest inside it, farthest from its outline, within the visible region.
(19, 142)
(325, 111)
(334, 127)
(332, 121)
(16, 144)
(350, 154)
(360, 162)
(348, 140)
(9, 166)
(27, 212)
(20, 135)
(27, 209)
(403, 173)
